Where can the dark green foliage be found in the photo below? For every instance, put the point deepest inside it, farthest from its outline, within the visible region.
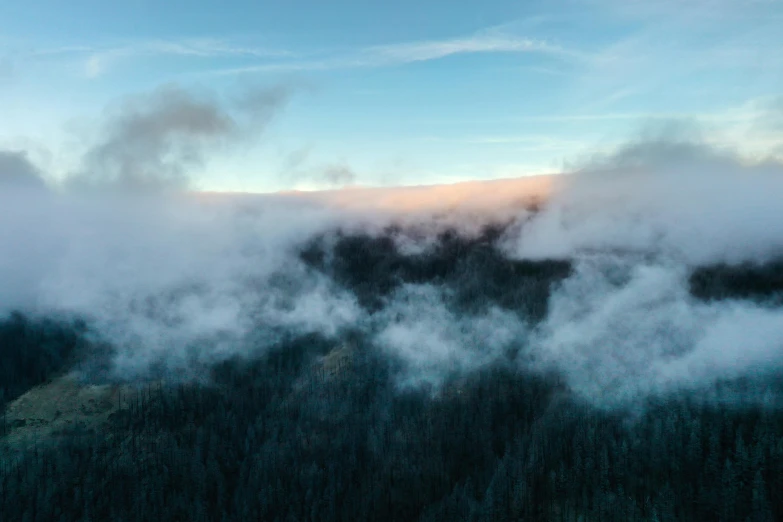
(760, 282)
(34, 350)
(279, 438)
(476, 272)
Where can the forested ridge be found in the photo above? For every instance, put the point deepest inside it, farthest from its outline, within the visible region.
(318, 429)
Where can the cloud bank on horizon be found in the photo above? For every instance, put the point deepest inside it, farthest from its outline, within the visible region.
(173, 279)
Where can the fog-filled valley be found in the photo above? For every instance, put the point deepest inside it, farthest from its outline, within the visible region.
(602, 344)
(391, 261)
(609, 348)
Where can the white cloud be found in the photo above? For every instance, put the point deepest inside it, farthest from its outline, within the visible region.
(410, 52)
(480, 43)
(98, 58)
(677, 50)
(170, 276)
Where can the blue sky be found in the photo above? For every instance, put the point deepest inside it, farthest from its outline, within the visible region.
(402, 92)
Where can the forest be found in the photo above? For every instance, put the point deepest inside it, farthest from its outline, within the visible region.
(318, 429)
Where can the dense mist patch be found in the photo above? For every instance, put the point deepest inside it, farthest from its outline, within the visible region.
(605, 344)
(613, 351)
(649, 272)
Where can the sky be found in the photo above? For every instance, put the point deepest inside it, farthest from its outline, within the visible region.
(398, 93)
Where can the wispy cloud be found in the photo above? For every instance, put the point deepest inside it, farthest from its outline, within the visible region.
(435, 49)
(676, 44)
(95, 60)
(195, 48)
(411, 52)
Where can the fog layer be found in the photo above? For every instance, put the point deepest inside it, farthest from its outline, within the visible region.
(588, 274)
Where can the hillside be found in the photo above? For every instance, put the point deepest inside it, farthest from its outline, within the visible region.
(436, 403)
(64, 406)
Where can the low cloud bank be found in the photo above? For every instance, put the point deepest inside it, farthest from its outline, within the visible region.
(587, 274)
(677, 199)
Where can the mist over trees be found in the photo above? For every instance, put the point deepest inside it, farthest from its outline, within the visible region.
(372, 268)
(319, 427)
